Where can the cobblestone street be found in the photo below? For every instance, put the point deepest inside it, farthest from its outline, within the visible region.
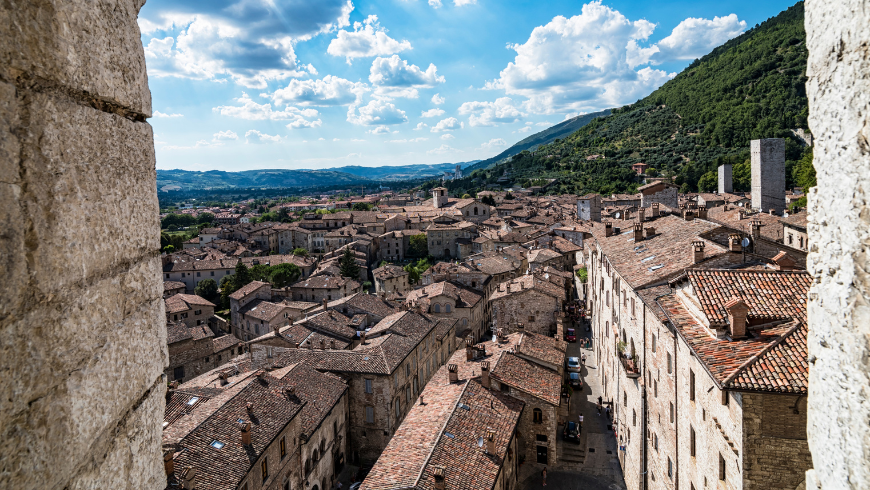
(592, 462)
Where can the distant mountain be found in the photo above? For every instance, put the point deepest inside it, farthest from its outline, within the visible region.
(216, 179)
(401, 172)
(546, 136)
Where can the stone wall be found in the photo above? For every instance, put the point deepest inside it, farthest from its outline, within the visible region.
(84, 339)
(839, 227)
(768, 175)
(776, 453)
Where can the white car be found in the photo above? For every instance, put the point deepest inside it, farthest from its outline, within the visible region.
(574, 365)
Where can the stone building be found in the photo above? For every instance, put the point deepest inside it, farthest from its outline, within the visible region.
(452, 300)
(391, 278)
(660, 192)
(325, 287)
(530, 300)
(768, 175)
(194, 349)
(189, 309)
(724, 178)
(794, 231)
(442, 239)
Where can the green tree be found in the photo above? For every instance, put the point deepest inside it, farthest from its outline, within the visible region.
(242, 277)
(348, 266)
(207, 288)
(708, 182)
(419, 245)
(488, 200)
(582, 274)
(741, 176)
(301, 252)
(205, 218)
(169, 248)
(803, 172)
(508, 197)
(413, 274)
(362, 206)
(284, 275)
(260, 272)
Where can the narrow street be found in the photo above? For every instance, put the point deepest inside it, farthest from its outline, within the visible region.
(592, 463)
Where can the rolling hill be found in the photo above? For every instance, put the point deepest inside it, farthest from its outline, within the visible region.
(272, 178)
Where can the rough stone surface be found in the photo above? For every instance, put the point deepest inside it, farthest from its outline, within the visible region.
(768, 175)
(839, 227)
(724, 174)
(82, 322)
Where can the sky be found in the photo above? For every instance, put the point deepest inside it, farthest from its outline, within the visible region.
(311, 84)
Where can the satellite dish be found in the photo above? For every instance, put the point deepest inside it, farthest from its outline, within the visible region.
(480, 442)
(616, 215)
(745, 242)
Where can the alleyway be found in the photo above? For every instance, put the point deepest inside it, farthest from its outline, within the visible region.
(592, 463)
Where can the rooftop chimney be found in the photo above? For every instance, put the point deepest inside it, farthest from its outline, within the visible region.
(332, 344)
(500, 335)
(169, 462)
(490, 441)
(452, 372)
(755, 229)
(325, 303)
(702, 211)
(245, 428)
(322, 344)
(608, 229)
(638, 232)
(734, 244)
(438, 474)
(641, 214)
(650, 232)
(290, 391)
(655, 210)
(772, 212)
(626, 215)
(188, 478)
(484, 374)
(469, 350)
(737, 311)
(741, 213)
(520, 327)
(784, 262)
(697, 251)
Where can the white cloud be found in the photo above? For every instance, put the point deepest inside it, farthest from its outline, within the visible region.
(524, 129)
(544, 124)
(412, 140)
(460, 3)
(432, 113)
(254, 136)
(694, 37)
(249, 42)
(421, 126)
(252, 111)
(443, 149)
(367, 39)
(356, 140)
(328, 91)
(160, 114)
(449, 124)
(437, 99)
(396, 72)
(580, 63)
(494, 143)
(435, 3)
(379, 130)
(491, 113)
(376, 112)
(447, 136)
(225, 135)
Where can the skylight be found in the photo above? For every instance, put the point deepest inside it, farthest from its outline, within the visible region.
(449, 435)
(648, 258)
(464, 406)
(217, 444)
(656, 267)
(193, 400)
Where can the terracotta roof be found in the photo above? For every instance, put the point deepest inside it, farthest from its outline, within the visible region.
(782, 368)
(529, 377)
(331, 322)
(324, 282)
(248, 289)
(771, 227)
(318, 391)
(525, 283)
(464, 297)
(797, 220)
(171, 285)
(262, 309)
(389, 271)
(543, 255)
(547, 349)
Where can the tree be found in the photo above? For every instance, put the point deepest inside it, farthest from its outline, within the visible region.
(508, 197)
(803, 172)
(260, 272)
(284, 275)
(284, 215)
(242, 277)
(708, 182)
(348, 266)
(582, 274)
(205, 218)
(413, 274)
(488, 200)
(301, 252)
(419, 245)
(362, 206)
(466, 196)
(741, 176)
(207, 288)
(169, 248)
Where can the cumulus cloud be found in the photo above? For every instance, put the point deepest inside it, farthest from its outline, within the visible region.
(445, 148)
(491, 113)
(225, 135)
(694, 37)
(580, 63)
(252, 111)
(396, 72)
(432, 113)
(437, 99)
(447, 136)
(460, 3)
(494, 143)
(160, 114)
(367, 39)
(420, 126)
(412, 140)
(376, 113)
(356, 140)
(254, 136)
(328, 91)
(249, 42)
(379, 130)
(524, 129)
(449, 124)
(435, 3)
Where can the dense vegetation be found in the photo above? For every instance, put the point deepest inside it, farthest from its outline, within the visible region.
(750, 87)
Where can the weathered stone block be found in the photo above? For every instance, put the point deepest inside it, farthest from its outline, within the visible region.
(89, 46)
(90, 192)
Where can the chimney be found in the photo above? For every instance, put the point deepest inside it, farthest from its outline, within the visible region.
(362, 338)
(332, 344)
(784, 262)
(697, 251)
(702, 211)
(484, 374)
(452, 372)
(734, 244)
(772, 212)
(245, 428)
(608, 229)
(469, 350)
(490, 441)
(500, 335)
(169, 462)
(755, 229)
(188, 478)
(655, 210)
(650, 232)
(322, 344)
(438, 474)
(638, 232)
(741, 213)
(521, 327)
(737, 311)
(626, 215)
(290, 391)
(688, 214)
(325, 303)
(641, 214)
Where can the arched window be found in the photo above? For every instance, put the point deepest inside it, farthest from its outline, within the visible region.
(314, 455)
(436, 308)
(475, 210)
(447, 308)
(537, 416)
(465, 322)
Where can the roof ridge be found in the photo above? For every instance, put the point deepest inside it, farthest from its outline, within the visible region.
(758, 355)
(441, 433)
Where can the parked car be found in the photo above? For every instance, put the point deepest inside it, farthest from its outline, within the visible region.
(575, 381)
(571, 432)
(570, 335)
(573, 364)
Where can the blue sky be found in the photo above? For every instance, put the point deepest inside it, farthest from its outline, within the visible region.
(250, 84)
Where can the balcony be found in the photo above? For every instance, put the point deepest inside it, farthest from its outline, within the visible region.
(630, 365)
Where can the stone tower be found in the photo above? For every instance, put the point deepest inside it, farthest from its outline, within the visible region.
(725, 184)
(81, 310)
(457, 173)
(768, 175)
(439, 197)
(589, 207)
(838, 310)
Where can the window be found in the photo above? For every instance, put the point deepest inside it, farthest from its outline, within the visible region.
(670, 367)
(199, 274)
(633, 418)
(540, 437)
(672, 412)
(286, 485)
(656, 388)
(531, 319)
(283, 447)
(197, 312)
(691, 441)
(368, 386)
(436, 308)
(632, 311)
(537, 416)
(264, 466)
(721, 467)
(398, 407)
(447, 308)
(624, 398)
(691, 385)
(370, 415)
(670, 469)
(212, 273)
(178, 373)
(725, 398)
(656, 442)
(217, 444)
(653, 343)
(408, 395)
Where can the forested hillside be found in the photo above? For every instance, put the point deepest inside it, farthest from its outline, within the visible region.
(751, 87)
